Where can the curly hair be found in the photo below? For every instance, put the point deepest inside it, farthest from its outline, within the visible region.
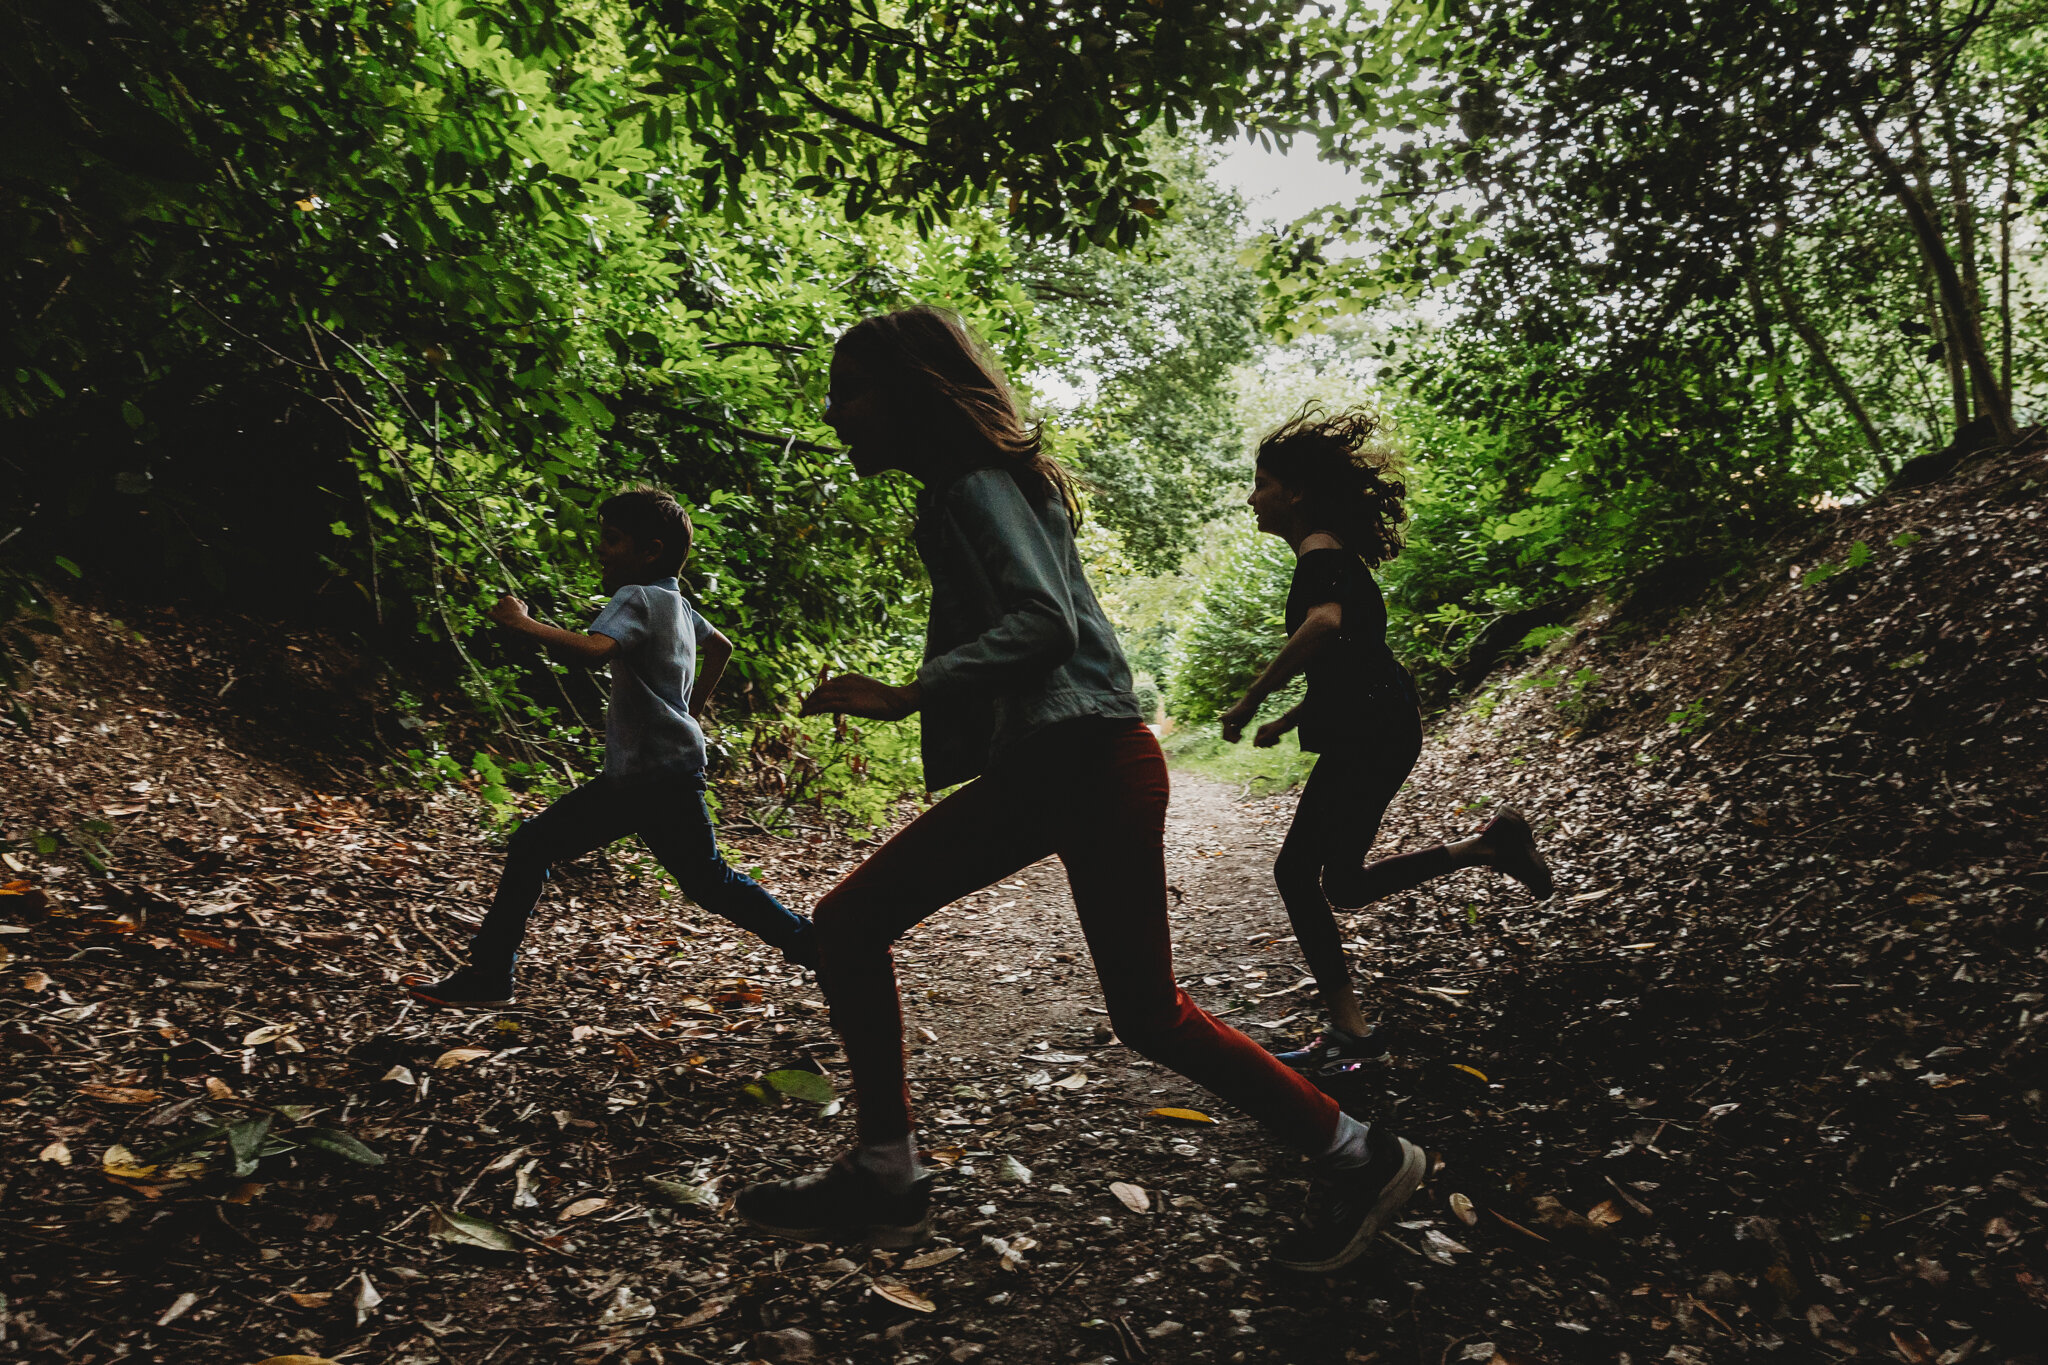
(937, 373)
(1339, 462)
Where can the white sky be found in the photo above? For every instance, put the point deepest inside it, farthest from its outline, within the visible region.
(1282, 186)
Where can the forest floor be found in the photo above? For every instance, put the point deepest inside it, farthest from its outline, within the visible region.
(1763, 1079)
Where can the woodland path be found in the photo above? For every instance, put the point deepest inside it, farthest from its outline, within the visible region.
(1763, 1080)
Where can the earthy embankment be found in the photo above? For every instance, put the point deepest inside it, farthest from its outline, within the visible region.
(1763, 1079)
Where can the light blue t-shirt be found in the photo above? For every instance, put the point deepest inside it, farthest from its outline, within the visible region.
(647, 728)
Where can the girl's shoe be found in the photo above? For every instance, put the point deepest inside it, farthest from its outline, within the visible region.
(845, 1202)
(1514, 852)
(469, 986)
(1333, 1049)
(1347, 1208)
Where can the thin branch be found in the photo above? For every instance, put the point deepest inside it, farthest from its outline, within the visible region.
(853, 120)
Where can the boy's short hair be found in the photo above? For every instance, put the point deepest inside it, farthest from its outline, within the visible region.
(648, 514)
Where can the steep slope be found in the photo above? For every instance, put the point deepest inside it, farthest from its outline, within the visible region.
(1792, 984)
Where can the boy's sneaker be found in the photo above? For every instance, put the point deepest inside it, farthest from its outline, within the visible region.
(468, 986)
(845, 1202)
(1514, 852)
(1333, 1049)
(1347, 1208)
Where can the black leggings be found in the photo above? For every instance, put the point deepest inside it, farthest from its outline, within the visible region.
(1334, 826)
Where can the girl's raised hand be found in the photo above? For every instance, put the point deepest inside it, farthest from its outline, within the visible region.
(856, 694)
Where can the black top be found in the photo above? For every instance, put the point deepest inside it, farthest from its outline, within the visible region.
(1354, 680)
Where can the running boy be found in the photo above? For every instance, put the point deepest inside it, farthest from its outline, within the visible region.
(653, 779)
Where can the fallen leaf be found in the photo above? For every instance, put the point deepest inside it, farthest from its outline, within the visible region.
(119, 1094)
(1589, 896)
(206, 940)
(269, 1033)
(925, 1260)
(800, 1084)
(320, 1300)
(711, 1309)
(120, 1163)
(400, 1075)
(626, 1306)
(1182, 1115)
(367, 1297)
(1603, 1213)
(337, 1142)
(1012, 1172)
(464, 1230)
(219, 1089)
(56, 1152)
(1462, 1206)
(456, 1056)
(945, 1156)
(1073, 1082)
(180, 1306)
(523, 1196)
(505, 1162)
(1132, 1197)
(584, 1206)
(35, 982)
(1440, 1248)
(1468, 1070)
(903, 1296)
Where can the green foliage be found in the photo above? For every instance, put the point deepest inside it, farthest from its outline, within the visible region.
(1858, 556)
(1693, 716)
(1154, 335)
(1253, 771)
(1235, 627)
(804, 1085)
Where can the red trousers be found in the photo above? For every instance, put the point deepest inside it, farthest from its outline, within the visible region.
(1093, 792)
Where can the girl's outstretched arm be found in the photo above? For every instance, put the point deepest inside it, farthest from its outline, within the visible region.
(1324, 620)
(1269, 734)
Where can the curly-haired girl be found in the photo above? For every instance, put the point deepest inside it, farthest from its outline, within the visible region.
(1325, 485)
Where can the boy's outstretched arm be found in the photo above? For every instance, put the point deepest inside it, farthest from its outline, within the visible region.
(713, 653)
(566, 645)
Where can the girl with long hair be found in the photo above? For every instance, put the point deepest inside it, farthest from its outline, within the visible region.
(1024, 690)
(1325, 485)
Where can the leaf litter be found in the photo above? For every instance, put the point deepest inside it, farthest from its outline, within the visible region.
(1758, 1080)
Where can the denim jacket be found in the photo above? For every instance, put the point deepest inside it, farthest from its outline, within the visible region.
(1016, 641)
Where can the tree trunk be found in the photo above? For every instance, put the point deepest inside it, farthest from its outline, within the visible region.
(1803, 328)
(1964, 206)
(2011, 197)
(1767, 338)
(1935, 252)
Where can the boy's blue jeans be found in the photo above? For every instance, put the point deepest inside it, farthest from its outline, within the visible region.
(669, 815)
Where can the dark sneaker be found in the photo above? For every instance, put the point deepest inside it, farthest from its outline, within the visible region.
(1332, 1050)
(845, 1202)
(1347, 1208)
(467, 987)
(1514, 852)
